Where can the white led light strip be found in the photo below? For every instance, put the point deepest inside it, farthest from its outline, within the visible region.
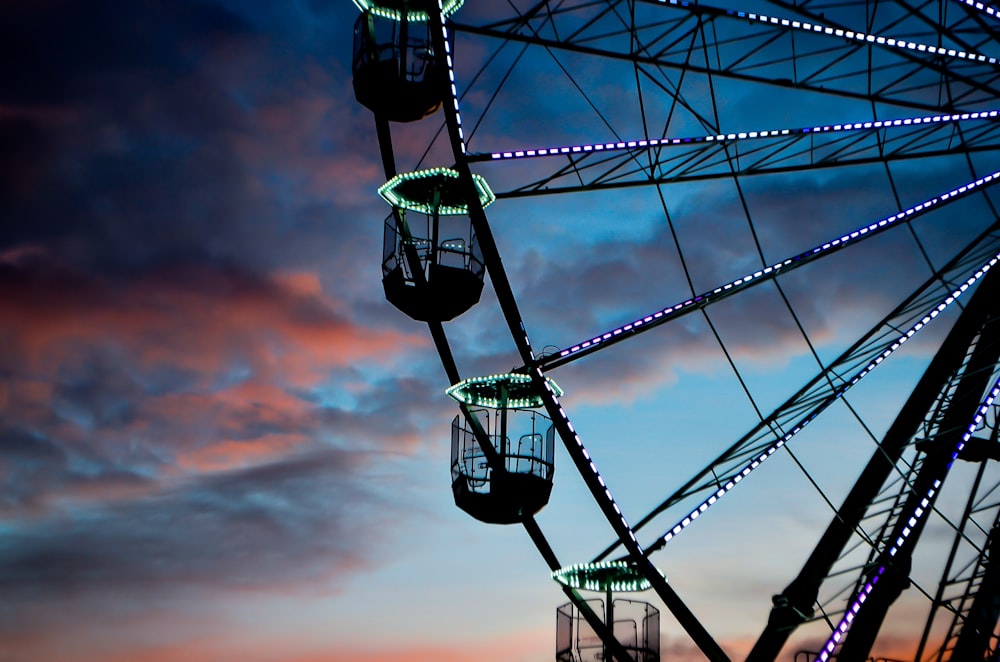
(740, 475)
(986, 9)
(593, 467)
(921, 511)
(451, 76)
(772, 270)
(629, 145)
(861, 37)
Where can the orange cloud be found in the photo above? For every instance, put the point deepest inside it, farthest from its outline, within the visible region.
(198, 319)
(301, 283)
(514, 647)
(181, 371)
(230, 454)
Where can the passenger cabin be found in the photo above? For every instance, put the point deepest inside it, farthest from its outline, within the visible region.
(635, 624)
(432, 267)
(396, 73)
(501, 460)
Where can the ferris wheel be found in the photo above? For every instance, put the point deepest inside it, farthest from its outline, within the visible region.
(769, 160)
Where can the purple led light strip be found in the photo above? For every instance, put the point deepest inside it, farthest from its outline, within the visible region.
(628, 145)
(771, 271)
(860, 37)
(986, 9)
(893, 346)
(921, 510)
(845, 623)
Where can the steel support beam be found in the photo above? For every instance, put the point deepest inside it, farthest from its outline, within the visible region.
(794, 605)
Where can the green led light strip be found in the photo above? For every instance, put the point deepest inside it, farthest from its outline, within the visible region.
(619, 576)
(486, 391)
(449, 8)
(390, 192)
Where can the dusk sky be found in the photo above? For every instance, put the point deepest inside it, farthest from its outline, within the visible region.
(218, 441)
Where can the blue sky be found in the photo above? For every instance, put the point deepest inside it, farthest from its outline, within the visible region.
(218, 441)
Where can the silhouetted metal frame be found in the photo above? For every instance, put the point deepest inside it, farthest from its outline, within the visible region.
(446, 356)
(825, 387)
(578, 454)
(975, 380)
(973, 608)
(668, 48)
(575, 449)
(796, 602)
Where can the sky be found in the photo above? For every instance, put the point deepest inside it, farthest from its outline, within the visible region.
(218, 441)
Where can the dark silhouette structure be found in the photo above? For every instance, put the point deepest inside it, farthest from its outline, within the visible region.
(921, 84)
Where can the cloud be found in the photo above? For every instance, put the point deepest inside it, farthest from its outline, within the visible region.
(216, 529)
(72, 59)
(514, 647)
(152, 135)
(199, 318)
(108, 386)
(184, 222)
(304, 522)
